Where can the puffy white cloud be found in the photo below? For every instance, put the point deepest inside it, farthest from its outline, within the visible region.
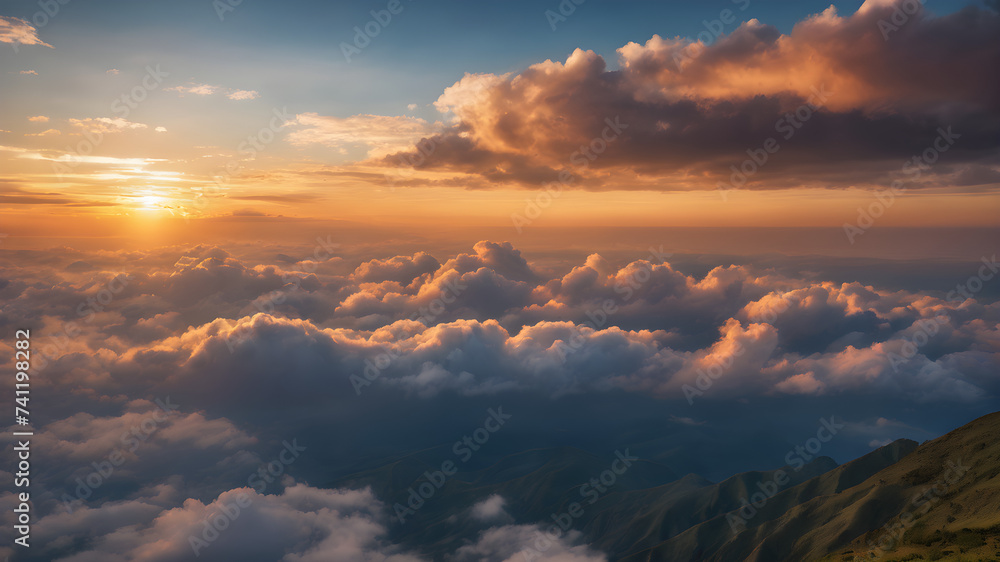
(487, 321)
(302, 524)
(490, 509)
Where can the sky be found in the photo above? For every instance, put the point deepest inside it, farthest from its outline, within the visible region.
(686, 230)
(259, 109)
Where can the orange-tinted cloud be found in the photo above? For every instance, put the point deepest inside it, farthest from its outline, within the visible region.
(19, 32)
(843, 101)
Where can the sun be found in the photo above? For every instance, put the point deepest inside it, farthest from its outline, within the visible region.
(151, 202)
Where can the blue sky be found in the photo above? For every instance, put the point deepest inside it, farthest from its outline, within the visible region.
(290, 50)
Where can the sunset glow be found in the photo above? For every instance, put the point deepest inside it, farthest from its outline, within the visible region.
(520, 281)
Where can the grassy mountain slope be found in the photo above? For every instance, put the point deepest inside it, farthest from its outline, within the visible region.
(846, 514)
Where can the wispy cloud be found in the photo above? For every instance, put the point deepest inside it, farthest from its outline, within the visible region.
(106, 124)
(196, 89)
(66, 157)
(243, 95)
(19, 32)
(379, 133)
(209, 89)
(45, 133)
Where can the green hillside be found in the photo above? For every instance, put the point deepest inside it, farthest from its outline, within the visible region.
(927, 505)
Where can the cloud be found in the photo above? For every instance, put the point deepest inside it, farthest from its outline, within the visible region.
(378, 134)
(106, 124)
(402, 269)
(38, 119)
(82, 438)
(208, 90)
(490, 509)
(19, 32)
(527, 542)
(112, 71)
(195, 89)
(45, 133)
(301, 524)
(243, 95)
(29, 72)
(75, 159)
(161, 129)
(676, 115)
(487, 322)
(238, 337)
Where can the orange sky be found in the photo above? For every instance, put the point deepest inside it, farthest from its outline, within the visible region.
(759, 128)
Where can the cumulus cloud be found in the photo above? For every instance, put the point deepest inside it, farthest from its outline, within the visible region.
(401, 269)
(301, 524)
(236, 338)
(676, 115)
(487, 322)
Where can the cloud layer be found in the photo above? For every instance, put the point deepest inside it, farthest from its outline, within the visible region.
(845, 100)
(235, 342)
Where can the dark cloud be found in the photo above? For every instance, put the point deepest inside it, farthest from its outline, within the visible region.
(844, 104)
